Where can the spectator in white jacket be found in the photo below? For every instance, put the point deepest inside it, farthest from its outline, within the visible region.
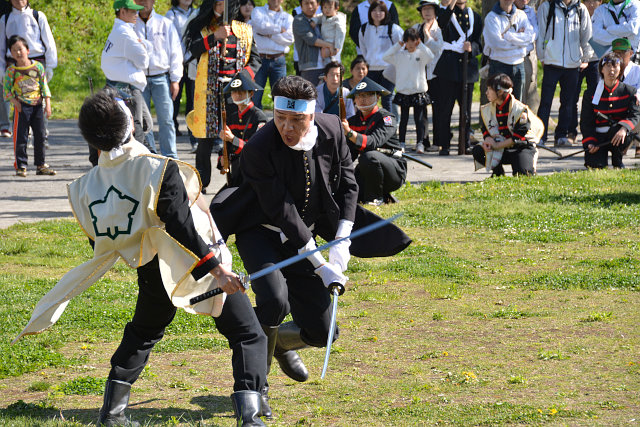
(124, 58)
(613, 20)
(163, 73)
(410, 58)
(530, 94)
(32, 26)
(563, 48)
(375, 38)
(273, 33)
(507, 34)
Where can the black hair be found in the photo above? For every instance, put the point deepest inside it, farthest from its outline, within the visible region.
(301, 2)
(294, 87)
(359, 59)
(607, 58)
(331, 65)
(499, 82)
(410, 34)
(101, 121)
(383, 7)
(241, 3)
(206, 12)
(337, 2)
(15, 39)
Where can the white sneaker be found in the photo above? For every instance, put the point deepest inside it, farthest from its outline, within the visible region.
(420, 148)
(194, 148)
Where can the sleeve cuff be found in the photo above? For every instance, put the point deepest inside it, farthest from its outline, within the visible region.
(205, 265)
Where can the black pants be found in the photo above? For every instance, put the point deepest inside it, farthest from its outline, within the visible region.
(418, 113)
(448, 93)
(599, 159)
(203, 157)
(295, 289)
(522, 161)
(378, 174)
(31, 116)
(154, 312)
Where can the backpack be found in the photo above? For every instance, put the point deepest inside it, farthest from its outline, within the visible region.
(552, 14)
(36, 16)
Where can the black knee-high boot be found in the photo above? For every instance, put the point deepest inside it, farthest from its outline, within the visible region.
(288, 341)
(272, 335)
(116, 400)
(246, 407)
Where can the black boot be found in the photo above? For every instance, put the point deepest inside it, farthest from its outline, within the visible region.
(246, 407)
(272, 335)
(116, 399)
(290, 362)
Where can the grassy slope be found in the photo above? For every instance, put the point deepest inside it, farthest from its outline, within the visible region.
(516, 304)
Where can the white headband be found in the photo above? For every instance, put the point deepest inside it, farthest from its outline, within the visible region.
(127, 112)
(510, 90)
(304, 106)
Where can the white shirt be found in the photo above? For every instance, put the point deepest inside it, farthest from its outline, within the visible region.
(124, 56)
(605, 29)
(632, 75)
(411, 73)
(167, 51)
(375, 42)
(267, 30)
(179, 17)
(503, 40)
(37, 34)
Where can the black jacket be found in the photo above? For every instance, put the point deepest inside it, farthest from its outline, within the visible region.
(449, 65)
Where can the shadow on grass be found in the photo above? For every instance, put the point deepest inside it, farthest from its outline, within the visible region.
(605, 200)
(31, 413)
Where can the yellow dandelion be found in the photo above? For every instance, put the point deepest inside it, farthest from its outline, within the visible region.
(553, 411)
(79, 60)
(445, 353)
(539, 410)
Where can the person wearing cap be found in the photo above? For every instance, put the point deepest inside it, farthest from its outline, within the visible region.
(461, 34)
(371, 138)
(163, 73)
(217, 64)
(145, 209)
(615, 100)
(243, 120)
(616, 19)
(124, 58)
(510, 131)
(431, 36)
(563, 48)
(630, 73)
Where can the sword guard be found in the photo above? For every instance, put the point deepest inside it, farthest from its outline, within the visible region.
(338, 287)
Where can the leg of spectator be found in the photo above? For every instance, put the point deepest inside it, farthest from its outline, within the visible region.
(148, 135)
(5, 127)
(518, 80)
(418, 117)
(443, 122)
(404, 119)
(568, 85)
(278, 70)
(203, 160)
(164, 112)
(549, 82)
(178, 100)
(530, 95)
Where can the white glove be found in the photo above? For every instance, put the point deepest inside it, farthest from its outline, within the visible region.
(49, 74)
(458, 46)
(339, 254)
(316, 258)
(330, 273)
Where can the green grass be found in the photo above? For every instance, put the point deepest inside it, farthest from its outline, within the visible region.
(516, 304)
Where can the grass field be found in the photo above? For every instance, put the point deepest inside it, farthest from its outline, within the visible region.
(517, 304)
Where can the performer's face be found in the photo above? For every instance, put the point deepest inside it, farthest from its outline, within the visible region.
(366, 101)
(611, 71)
(292, 126)
(492, 96)
(219, 8)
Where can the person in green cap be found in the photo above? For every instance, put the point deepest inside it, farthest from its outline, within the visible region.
(630, 73)
(124, 58)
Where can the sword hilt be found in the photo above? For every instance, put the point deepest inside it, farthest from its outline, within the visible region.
(243, 278)
(337, 287)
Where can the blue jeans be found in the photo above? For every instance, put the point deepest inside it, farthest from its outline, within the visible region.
(515, 72)
(568, 79)
(4, 112)
(158, 89)
(274, 70)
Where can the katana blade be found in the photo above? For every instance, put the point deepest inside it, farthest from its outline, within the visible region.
(296, 258)
(332, 331)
